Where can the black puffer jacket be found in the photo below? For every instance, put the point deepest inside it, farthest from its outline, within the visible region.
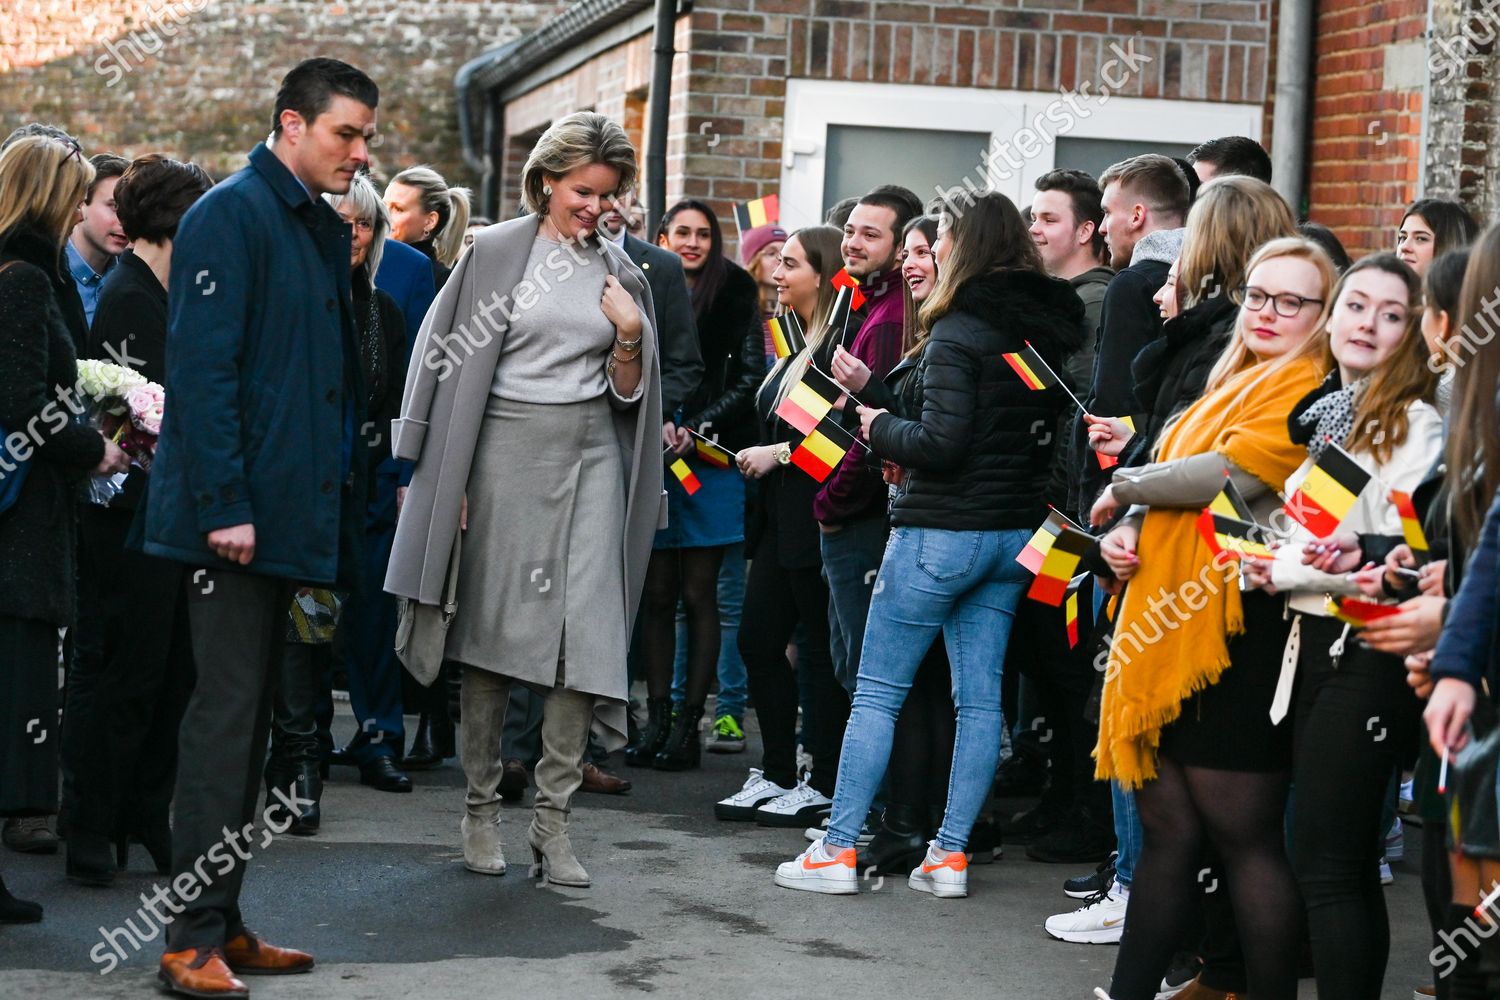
(733, 341)
(1171, 371)
(976, 443)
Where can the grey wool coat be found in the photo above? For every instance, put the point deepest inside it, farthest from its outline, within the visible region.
(448, 383)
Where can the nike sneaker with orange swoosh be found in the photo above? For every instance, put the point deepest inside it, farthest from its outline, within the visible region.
(943, 873)
(821, 869)
(1100, 920)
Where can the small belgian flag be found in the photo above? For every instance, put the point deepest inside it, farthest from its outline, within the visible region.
(1230, 534)
(1051, 583)
(846, 280)
(760, 212)
(809, 401)
(713, 453)
(1041, 541)
(1359, 613)
(1033, 370)
(1328, 493)
(780, 337)
(686, 477)
(819, 453)
(1105, 461)
(1411, 524)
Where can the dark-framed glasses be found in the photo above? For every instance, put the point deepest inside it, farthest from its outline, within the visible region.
(1286, 304)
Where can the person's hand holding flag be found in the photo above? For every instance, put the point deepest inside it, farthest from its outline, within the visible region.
(848, 371)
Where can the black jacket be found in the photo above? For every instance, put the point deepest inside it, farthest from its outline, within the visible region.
(1170, 373)
(676, 334)
(380, 328)
(1128, 321)
(130, 328)
(975, 441)
(38, 367)
(731, 337)
(781, 525)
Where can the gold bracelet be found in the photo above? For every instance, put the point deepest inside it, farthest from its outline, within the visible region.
(632, 359)
(630, 346)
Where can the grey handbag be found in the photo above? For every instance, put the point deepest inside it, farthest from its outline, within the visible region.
(422, 629)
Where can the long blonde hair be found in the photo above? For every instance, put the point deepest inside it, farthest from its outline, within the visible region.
(821, 245)
(451, 205)
(42, 183)
(1230, 218)
(1237, 356)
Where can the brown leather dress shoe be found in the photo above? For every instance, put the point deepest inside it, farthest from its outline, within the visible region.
(250, 956)
(199, 972)
(600, 781)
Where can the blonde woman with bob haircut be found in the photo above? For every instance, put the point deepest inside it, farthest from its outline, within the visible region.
(1193, 666)
(533, 412)
(42, 184)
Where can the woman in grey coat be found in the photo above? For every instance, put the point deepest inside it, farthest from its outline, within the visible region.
(532, 411)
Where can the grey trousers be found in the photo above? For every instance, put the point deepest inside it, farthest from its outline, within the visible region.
(238, 627)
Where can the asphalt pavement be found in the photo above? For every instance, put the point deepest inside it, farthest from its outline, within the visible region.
(682, 905)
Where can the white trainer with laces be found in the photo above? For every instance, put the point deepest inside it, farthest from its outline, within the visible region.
(799, 806)
(820, 830)
(756, 791)
(1101, 920)
(819, 869)
(944, 874)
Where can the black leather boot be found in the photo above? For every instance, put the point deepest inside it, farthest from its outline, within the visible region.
(899, 844)
(308, 788)
(642, 753)
(684, 747)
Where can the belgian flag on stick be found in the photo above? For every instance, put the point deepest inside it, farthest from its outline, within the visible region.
(1230, 534)
(760, 212)
(846, 280)
(1036, 373)
(809, 401)
(1108, 461)
(819, 453)
(1411, 524)
(1051, 583)
(1359, 613)
(1041, 541)
(780, 338)
(1070, 609)
(686, 477)
(1328, 493)
(712, 452)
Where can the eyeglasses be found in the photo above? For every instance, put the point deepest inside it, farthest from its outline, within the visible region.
(361, 225)
(74, 149)
(1286, 304)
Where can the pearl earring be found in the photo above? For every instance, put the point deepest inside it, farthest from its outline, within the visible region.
(547, 189)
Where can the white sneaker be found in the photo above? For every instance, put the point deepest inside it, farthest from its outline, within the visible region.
(1099, 921)
(755, 792)
(795, 807)
(1386, 875)
(945, 874)
(816, 870)
(820, 829)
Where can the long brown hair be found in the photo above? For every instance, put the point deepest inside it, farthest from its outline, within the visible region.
(821, 245)
(42, 183)
(1474, 434)
(1230, 218)
(912, 337)
(988, 236)
(1380, 417)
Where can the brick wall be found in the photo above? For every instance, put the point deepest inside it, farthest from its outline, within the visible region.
(197, 78)
(1365, 152)
(1463, 132)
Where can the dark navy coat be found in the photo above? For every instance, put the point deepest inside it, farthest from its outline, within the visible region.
(264, 396)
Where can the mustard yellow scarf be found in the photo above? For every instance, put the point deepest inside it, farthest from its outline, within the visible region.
(1159, 657)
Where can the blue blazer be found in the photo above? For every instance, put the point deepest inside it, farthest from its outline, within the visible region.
(264, 390)
(405, 274)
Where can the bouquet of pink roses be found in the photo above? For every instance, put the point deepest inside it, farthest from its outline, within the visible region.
(124, 405)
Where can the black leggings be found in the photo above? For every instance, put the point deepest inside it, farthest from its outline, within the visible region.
(776, 601)
(1185, 811)
(1353, 721)
(692, 575)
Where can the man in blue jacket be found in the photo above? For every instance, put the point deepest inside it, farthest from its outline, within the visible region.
(257, 484)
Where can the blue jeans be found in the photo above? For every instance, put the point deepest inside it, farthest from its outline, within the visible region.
(851, 556)
(966, 584)
(733, 688)
(1128, 833)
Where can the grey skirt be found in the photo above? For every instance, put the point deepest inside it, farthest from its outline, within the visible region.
(541, 581)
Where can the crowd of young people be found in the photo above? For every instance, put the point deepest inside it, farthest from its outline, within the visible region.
(1122, 352)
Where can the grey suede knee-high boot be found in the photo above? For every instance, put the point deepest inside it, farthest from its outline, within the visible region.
(484, 698)
(565, 733)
